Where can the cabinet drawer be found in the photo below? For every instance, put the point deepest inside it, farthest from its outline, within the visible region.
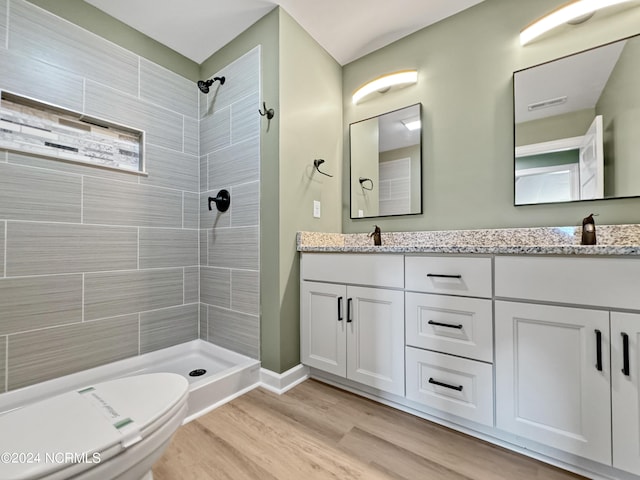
(376, 270)
(453, 385)
(468, 276)
(606, 282)
(456, 325)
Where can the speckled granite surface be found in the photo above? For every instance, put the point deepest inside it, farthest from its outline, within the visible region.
(612, 240)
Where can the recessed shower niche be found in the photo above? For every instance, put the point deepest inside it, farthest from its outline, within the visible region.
(34, 127)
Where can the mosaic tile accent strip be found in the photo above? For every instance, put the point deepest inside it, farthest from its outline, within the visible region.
(30, 126)
(612, 240)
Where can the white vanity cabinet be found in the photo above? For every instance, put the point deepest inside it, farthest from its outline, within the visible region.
(449, 335)
(555, 382)
(625, 390)
(354, 330)
(552, 377)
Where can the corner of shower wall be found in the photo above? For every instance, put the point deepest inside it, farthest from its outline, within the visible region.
(230, 241)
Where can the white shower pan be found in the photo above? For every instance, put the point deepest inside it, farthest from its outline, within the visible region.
(228, 375)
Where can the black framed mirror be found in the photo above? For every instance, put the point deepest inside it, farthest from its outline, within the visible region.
(386, 164)
(577, 125)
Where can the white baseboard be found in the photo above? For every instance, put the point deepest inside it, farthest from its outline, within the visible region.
(281, 382)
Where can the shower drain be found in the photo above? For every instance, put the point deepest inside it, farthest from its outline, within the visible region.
(197, 372)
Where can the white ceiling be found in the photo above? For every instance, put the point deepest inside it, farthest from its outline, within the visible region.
(347, 29)
(581, 78)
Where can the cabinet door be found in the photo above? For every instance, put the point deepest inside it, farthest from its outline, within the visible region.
(322, 327)
(625, 391)
(375, 338)
(549, 388)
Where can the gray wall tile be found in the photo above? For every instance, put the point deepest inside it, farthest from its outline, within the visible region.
(242, 78)
(191, 210)
(162, 127)
(234, 248)
(68, 167)
(3, 365)
(116, 203)
(168, 89)
(245, 291)
(25, 77)
(49, 248)
(3, 33)
(191, 136)
(214, 218)
(168, 327)
(245, 208)
(171, 169)
(203, 174)
(3, 226)
(244, 124)
(117, 293)
(191, 285)
(215, 286)
(36, 302)
(45, 354)
(234, 330)
(160, 247)
(203, 322)
(39, 195)
(215, 131)
(235, 164)
(39, 34)
(203, 247)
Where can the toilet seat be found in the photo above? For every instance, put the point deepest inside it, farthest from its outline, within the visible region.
(93, 428)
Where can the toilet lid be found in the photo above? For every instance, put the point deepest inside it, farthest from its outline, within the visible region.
(87, 425)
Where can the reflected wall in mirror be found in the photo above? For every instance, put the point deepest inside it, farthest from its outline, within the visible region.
(577, 126)
(386, 164)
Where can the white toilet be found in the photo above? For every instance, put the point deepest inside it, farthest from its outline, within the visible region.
(111, 430)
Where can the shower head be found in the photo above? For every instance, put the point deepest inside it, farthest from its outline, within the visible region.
(204, 85)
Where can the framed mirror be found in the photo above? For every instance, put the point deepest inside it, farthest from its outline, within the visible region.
(577, 126)
(386, 164)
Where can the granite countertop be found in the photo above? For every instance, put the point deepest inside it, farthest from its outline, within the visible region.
(612, 240)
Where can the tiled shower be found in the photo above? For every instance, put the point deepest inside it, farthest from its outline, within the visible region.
(99, 265)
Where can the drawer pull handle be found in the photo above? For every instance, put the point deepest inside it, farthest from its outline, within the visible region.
(349, 308)
(438, 324)
(340, 309)
(439, 275)
(446, 385)
(598, 350)
(625, 354)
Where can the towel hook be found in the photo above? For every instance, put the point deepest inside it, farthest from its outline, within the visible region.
(316, 163)
(268, 113)
(363, 180)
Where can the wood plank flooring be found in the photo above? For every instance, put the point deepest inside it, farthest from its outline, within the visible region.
(316, 431)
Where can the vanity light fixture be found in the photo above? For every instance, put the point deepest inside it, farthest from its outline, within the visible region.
(385, 83)
(412, 124)
(564, 14)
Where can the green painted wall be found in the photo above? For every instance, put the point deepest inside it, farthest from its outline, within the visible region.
(619, 106)
(465, 65)
(310, 128)
(571, 124)
(98, 22)
(364, 138)
(548, 159)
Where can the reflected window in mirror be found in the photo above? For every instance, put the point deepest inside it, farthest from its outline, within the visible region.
(386, 164)
(577, 125)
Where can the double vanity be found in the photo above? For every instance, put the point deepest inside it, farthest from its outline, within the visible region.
(521, 337)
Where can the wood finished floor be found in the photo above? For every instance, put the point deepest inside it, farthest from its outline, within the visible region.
(315, 431)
